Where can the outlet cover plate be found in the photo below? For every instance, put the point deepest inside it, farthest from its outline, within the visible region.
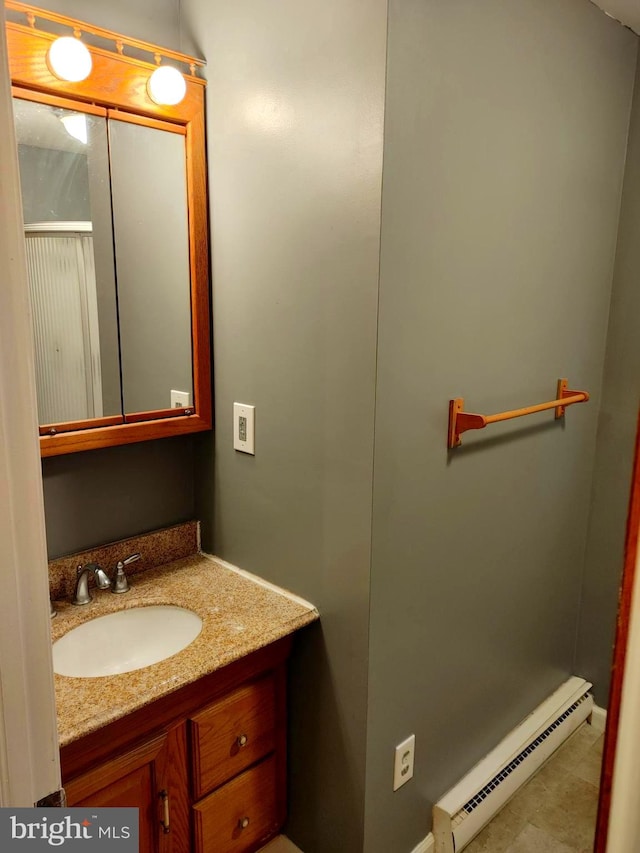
(403, 762)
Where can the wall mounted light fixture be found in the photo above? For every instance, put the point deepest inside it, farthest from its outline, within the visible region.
(69, 59)
(166, 86)
(72, 60)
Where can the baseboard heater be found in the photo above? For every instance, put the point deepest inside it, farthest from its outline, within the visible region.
(460, 815)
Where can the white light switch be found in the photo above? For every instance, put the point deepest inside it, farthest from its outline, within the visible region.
(243, 428)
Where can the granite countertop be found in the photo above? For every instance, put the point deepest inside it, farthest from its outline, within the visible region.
(239, 616)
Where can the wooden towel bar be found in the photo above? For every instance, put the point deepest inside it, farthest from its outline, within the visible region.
(460, 421)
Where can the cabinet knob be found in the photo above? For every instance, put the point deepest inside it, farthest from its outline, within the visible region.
(241, 740)
(243, 823)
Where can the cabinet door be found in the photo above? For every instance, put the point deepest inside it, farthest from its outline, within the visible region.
(150, 777)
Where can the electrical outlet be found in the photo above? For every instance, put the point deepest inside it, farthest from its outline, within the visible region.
(403, 763)
(243, 428)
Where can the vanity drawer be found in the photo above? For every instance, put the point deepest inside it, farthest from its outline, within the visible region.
(239, 815)
(233, 733)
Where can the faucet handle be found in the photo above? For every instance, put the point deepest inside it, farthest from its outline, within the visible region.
(120, 582)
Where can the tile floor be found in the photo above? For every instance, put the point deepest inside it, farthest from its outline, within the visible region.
(555, 812)
(281, 844)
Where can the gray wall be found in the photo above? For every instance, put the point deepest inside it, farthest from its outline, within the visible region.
(155, 21)
(505, 140)
(104, 495)
(616, 438)
(100, 195)
(54, 185)
(294, 110)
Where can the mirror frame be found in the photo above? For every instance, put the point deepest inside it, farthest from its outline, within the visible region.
(118, 84)
(623, 630)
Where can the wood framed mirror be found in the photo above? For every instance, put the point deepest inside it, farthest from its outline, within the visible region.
(116, 235)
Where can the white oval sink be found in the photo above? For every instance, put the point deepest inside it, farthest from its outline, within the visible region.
(125, 640)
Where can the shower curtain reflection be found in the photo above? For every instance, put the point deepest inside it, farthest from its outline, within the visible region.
(62, 281)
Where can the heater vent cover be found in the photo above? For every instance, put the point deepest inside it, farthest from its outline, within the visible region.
(460, 815)
(474, 802)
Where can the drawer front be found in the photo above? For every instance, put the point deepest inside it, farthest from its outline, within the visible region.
(239, 815)
(232, 734)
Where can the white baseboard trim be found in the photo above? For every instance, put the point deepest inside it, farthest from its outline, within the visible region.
(427, 845)
(493, 781)
(598, 719)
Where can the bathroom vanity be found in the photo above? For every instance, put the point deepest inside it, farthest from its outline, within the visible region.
(207, 762)
(197, 741)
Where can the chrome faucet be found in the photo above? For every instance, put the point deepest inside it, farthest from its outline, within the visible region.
(120, 582)
(82, 595)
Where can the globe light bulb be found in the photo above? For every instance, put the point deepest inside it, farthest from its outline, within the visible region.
(69, 59)
(166, 86)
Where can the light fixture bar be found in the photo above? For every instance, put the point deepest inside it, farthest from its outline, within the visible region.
(120, 41)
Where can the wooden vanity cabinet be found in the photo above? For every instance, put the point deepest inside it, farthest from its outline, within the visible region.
(206, 765)
(149, 776)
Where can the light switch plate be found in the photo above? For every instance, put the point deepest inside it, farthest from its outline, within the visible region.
(180, 399)
(243, 428)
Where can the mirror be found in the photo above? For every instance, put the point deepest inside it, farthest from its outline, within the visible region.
(64, 177)
(114, 200)
(151, 239)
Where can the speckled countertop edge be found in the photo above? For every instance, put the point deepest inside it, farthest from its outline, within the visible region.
(239, 616)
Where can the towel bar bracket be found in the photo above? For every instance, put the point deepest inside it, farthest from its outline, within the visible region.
(563, 392)
(460, 421)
